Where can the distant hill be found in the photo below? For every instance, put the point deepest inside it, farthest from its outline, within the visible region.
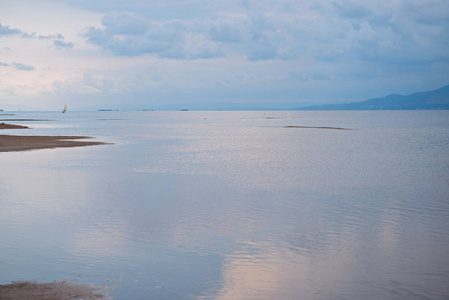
(436, 99)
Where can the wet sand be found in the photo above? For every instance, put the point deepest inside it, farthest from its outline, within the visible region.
(12, 126)
(29, 142)
(10, 143)
(58, 290)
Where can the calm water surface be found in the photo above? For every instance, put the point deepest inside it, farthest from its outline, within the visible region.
(232, 205)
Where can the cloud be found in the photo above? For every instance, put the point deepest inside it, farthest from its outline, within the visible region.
(57, 36)
(18, 66)
(236, 49)
(384, 31)
(124, 22)
(351, 10)
(28, 35)
(128, 34)
(5, 30)
(62, 45)
(57, 41)
(23, 67)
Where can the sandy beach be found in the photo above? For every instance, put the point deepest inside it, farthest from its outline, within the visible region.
(31, 142)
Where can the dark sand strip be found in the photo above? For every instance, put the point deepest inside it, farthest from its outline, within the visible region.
(335, 128)
(58, 290)
(12, 126)
(22, 142)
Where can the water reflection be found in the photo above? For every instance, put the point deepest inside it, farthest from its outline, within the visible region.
(104, 239)
(263, 271)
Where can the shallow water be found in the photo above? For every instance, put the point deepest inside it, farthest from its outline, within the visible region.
(233, 205)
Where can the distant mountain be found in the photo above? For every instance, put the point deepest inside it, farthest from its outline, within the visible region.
(436, 99)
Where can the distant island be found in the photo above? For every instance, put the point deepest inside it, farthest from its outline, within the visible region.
(436, 99)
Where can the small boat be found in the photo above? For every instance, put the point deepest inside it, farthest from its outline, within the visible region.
(65, 109)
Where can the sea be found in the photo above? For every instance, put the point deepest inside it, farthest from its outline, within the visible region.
(232, 204)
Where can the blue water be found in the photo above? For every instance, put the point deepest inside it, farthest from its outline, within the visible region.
(232, 205)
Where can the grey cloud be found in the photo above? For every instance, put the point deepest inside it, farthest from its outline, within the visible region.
(380, 21)
(23, 67)
(298, 76)
(402, 41)
(29, 35)
(255, 36)
(169, 39)
(350, 10)
(61, 44)
(231, 30)
(329, 56)
(320, 76)
(5, 30)
(327, 32)
(57, 36)
(17, 66)
(57, 40)
(186, 39)
(434, 13)
(125, 23)
(311, 76)
(97, 37)
(129, 45)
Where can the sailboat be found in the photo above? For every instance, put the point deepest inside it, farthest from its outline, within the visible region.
(65, 109)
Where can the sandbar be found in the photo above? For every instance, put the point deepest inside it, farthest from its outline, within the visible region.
(58, 290)
(27, 120)
(10, 143)
(12, 126)
(336, 128)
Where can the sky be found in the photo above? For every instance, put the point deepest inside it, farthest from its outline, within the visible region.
(209, 54)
